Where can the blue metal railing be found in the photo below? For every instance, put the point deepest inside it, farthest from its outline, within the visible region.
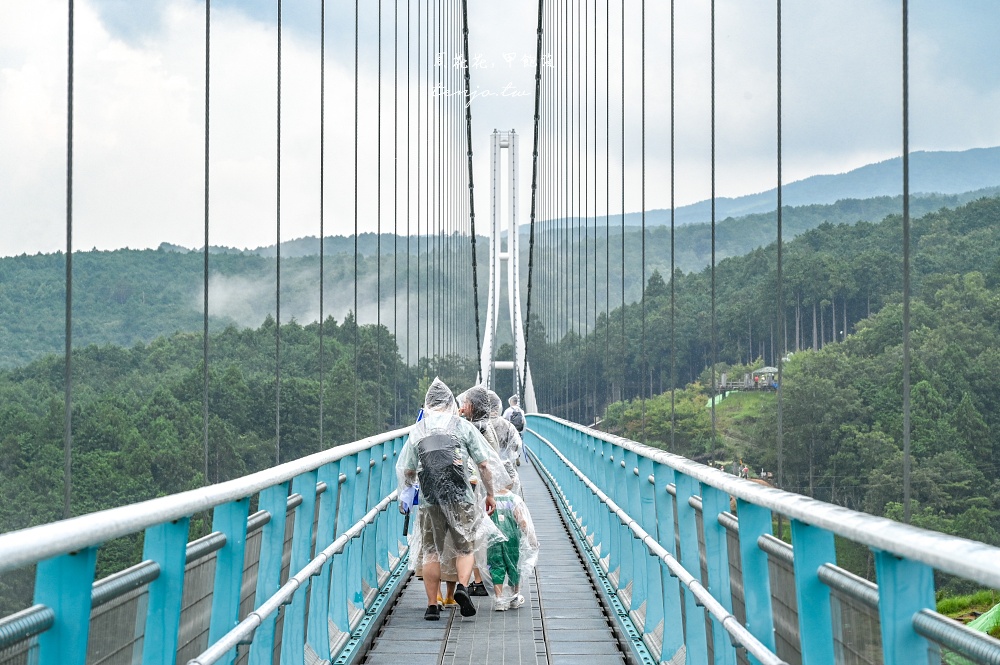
(336, 556)
(674, 558)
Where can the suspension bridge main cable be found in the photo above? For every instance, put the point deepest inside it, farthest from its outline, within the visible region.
(534, 189)
(472, 198)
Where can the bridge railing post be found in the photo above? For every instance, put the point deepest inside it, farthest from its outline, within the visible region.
(340, 585)
(694, 616)
(904, 589)
(754, 522)
(637, 549)
(165, 544)
(652, 615)
(317, 628)
(672, 641)
(714, 503)
(273, 500)
(812, 547)
(231, 520)
(294, 627)
(63, 584)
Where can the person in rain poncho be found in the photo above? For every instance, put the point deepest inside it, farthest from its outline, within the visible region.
(508, 436)
(476, 405)
(515, 415)
(513, 559)
(450, 520)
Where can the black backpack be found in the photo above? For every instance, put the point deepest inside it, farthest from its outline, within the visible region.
(442, 473)
(517, 420)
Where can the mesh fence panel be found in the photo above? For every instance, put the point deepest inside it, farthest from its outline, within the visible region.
(196, 608)
(117, 628)
(736, 585)
(785, 607)
(21, 653)
(857, 637)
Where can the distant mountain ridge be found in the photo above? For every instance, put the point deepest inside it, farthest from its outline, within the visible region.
(934, 172)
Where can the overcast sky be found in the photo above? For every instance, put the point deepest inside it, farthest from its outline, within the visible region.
(139, 106)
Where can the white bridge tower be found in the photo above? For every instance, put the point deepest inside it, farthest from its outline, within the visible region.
(498, 258)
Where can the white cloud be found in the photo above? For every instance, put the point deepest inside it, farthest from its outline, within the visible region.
(138, 148)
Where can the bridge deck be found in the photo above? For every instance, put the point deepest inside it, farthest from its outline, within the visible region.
(561, 623)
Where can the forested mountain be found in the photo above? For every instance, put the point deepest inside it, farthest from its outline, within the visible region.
(127, 296)
(138, 418)
(841, 320)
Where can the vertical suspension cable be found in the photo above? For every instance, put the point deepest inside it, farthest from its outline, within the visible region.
(579, 193)
(906, 264)
(68, 373)
(204, 333)
(623, 355)
(277, 287)
(673, 254)
(420, 172)
(395, 209)
(594, 330)
(409, 169)
(322, 202)
(378, 232)
(712, 392)
(781, 297)
(642, 207)
(357, 323)
(607, 193)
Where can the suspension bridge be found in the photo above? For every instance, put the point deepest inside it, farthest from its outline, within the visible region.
(646, 556)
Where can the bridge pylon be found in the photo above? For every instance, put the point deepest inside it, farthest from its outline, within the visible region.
(500, 257)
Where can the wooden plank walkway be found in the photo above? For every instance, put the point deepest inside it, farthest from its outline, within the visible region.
(561, 623)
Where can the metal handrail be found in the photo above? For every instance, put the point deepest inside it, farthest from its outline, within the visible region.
(22, 548)
(951, 554)
(245, 629)
(737, 631)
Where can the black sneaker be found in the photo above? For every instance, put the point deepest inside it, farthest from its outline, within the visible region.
(478, 589)
(464, 602)
(433, 613)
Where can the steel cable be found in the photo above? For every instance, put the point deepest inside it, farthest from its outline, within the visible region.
(713, 351)
(277, 287)
(322, 203)
(204, 349)
(68, 370)
(906, 264)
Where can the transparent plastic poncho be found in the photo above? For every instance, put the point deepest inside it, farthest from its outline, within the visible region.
(441, 455)
(498, 432)
(512, 562)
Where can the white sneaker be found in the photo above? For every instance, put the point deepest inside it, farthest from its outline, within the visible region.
(500, 604)
(516, 602)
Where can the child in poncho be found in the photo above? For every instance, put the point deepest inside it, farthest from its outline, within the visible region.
(513, 559)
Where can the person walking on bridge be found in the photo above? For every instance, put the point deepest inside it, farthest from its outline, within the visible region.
(450, 519)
